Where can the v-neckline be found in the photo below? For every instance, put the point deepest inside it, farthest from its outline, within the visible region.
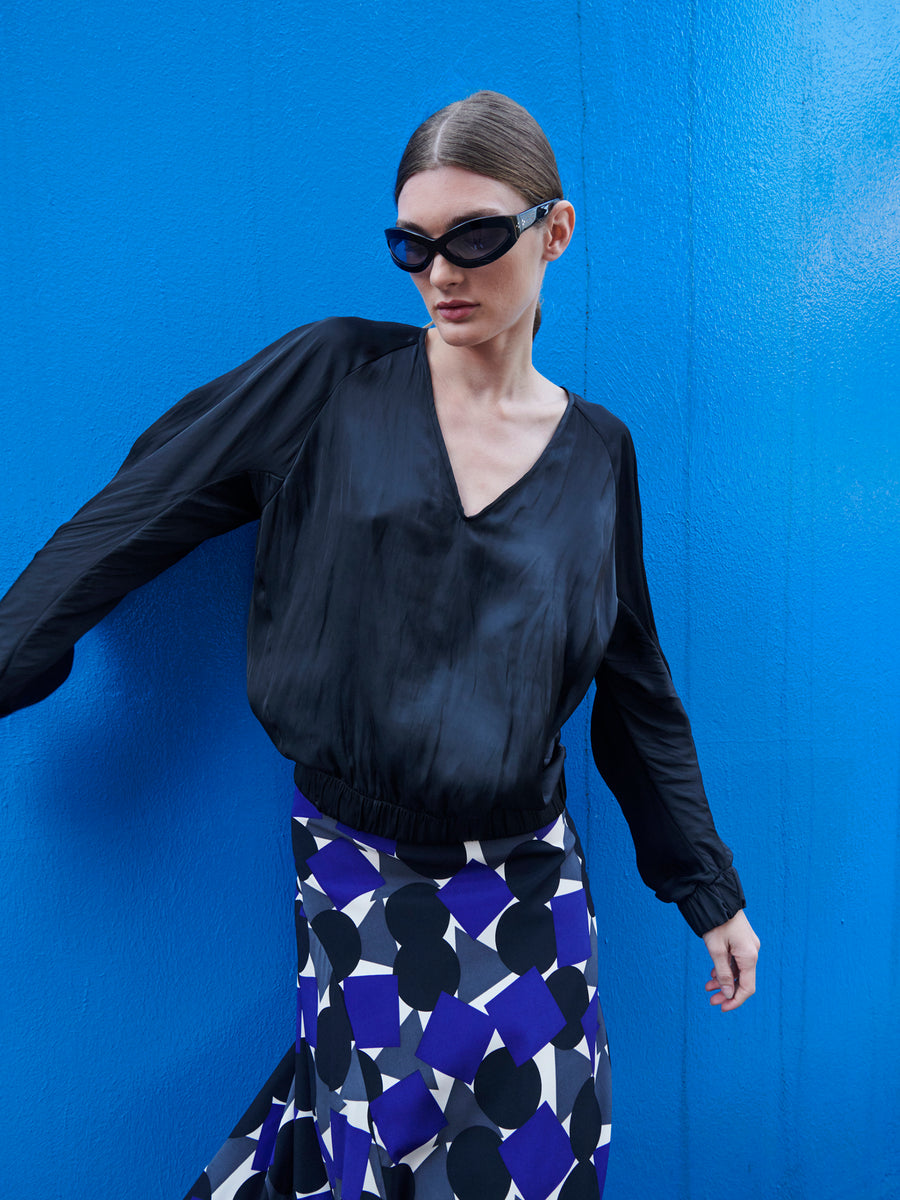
(445, 454)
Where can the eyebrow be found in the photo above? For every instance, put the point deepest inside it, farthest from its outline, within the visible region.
(413, 227)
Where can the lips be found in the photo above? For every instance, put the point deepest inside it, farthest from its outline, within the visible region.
(456, 310)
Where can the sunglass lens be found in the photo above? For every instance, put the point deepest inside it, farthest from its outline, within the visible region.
(406, 250)
(478, 242)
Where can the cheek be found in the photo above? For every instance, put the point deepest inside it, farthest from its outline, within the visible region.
(420, 279)
(522, 283)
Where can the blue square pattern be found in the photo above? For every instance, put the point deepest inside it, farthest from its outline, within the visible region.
(571, 925)
(407, 1116)
(303, 807)
(601, 1163)
(383, 844)
(475, 895)
(307, 1009)
(350, 1146)
(538, 1155)
(455, 1038)
(373, 1006)
(265, 1144)
(343, 872)
(526, 1016)
(337, 1127)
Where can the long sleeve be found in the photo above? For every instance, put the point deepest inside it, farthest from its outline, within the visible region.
(207, 466)
(642, 741)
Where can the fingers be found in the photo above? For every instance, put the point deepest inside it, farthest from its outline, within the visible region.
(733, 991)
(746, 985)
(734, 949)
(726, 972)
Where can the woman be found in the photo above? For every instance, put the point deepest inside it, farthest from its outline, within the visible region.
(449, 553)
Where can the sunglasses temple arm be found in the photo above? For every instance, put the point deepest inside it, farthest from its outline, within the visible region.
(526, 219)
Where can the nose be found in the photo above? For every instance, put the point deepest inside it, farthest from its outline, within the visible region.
(443, 273)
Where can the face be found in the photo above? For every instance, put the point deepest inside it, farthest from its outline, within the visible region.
(470, 306)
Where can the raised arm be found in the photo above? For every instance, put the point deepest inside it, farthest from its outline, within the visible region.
(208, 465)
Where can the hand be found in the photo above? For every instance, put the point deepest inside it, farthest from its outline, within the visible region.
(733, 947)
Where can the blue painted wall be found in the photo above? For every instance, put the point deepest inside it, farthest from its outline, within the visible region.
(183, 183)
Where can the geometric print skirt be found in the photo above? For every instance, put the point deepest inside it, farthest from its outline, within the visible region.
(450, 1044)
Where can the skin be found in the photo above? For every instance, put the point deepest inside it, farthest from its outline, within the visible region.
(734, 948)
(497, 412)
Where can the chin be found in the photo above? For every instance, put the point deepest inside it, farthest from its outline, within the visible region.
(460, 341)
(475, 331)
(460, 334)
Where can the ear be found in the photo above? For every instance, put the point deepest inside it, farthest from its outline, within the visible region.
(559, 226)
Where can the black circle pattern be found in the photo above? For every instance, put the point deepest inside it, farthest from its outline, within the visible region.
(340, 941)
(300, 1154)
(372, 1080)
(586, 1122)
(409, 936)
(399, 1183)
(425, 964)
(581, 1183)
(424, 970)
(304, 1068)
(533, 871)
(508, 1094)
(474, 1166)
(569, 990)
(526, 938)
(333, 1039)
(304, 845)
(415, 914)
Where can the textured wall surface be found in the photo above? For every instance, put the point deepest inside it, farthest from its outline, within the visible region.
(183, 183)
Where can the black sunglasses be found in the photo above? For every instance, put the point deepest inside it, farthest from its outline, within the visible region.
(471, 244)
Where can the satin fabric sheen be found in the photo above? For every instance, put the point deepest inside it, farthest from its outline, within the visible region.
(415, 663)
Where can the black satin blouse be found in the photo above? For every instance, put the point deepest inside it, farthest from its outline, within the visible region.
(415, 663)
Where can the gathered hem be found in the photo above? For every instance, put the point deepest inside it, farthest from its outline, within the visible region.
(336, 799)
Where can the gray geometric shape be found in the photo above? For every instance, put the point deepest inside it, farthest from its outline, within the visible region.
(571, 869)
(377, 944)
(396, 875)
(462, 1110)
(481, 972)
(314, 901)
(354, 1087)
(431, 1177)
(480, 967)
(589, 970)
(235, 1152)
(569, 1081)
(397, 1062)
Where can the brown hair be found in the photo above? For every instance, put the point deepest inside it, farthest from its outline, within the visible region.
(491, 135)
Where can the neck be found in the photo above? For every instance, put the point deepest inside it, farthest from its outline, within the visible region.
(500, 369)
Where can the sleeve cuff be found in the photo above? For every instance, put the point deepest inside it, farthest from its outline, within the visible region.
(712, 904)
